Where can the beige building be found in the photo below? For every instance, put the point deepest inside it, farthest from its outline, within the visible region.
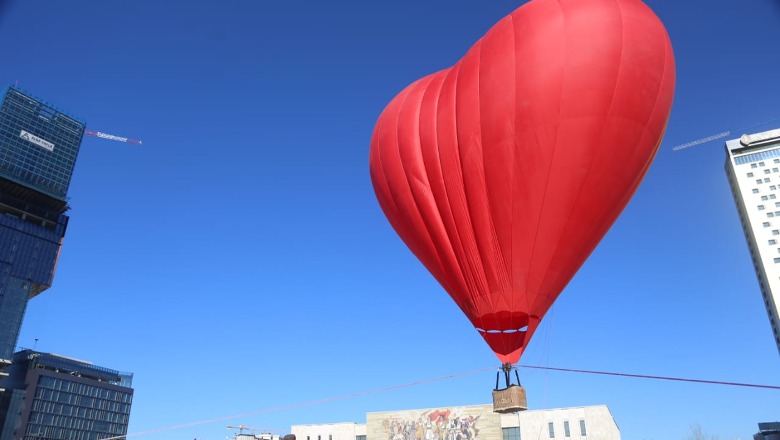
(477, 422)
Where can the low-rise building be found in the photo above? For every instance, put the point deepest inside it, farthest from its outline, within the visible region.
(55, 397)
(477, 422)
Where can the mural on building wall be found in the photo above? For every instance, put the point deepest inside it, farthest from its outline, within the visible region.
(438, 424)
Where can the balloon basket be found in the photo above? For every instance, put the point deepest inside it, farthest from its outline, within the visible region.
(509, 400)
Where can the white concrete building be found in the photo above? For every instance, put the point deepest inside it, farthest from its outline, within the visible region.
(477, 422)
(753, 169)
(329, 431)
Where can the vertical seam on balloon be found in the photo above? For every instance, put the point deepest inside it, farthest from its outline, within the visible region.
(410, 180)
(480, 266)
(515, 298)
(482, 263)
(468, 277)
(459, 277)
(444, 207)
(531, 308)
(492, 245)
(507, 341)
(603, 128)
(468, 262)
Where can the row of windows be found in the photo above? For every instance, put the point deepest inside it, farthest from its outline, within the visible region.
(48, 128)
(18, 101)
(92, 414)
(87, 424)
(64, 151)
(83, 389)
(514, 433)
(566, 431)
(766, 171)
(37, 432)
(764, 180)
(36, 165)
(757, 156)
(771, 188)
(35, 178)
(59, 407)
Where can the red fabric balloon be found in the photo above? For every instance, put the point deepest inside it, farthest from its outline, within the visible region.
(503, 172)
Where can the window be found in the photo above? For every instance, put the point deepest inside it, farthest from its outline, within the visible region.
(582, 428)
(761, 164)
(766, 179)
(772, 187)
(330, 436)
(750, 174)
(775, 232)
(566, 432)
(764, 198)
(758, 181)
(777, 260)
(760, 207)
(772, 241)
(363, 437)
(552, 429)
(752, 165)
(755, 190)
(774, 170)
(510, 433)
(767, 224)
(770, 214)
(772, 196)
(767, 171)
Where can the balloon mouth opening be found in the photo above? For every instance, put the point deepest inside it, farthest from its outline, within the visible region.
(510, 331)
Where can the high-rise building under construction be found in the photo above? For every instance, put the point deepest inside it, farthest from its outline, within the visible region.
(753, 168)
(38, 149)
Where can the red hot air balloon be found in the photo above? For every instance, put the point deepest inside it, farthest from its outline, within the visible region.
(503, 172)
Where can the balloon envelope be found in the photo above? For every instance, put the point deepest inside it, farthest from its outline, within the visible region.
(503, 172)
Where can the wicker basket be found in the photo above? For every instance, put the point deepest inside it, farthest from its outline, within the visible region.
(509, 400)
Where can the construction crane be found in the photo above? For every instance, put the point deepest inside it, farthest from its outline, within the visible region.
(723, 134)
(242, 428)
(112, 137)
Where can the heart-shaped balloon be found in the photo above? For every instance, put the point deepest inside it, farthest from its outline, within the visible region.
(503, 172)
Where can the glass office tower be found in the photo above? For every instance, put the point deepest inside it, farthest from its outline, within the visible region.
(59, 398)
(38, 149)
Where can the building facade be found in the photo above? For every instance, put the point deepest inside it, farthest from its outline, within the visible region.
(477, 422)
(38, 149)
(753, 169)
(768, 431)
(53, 397)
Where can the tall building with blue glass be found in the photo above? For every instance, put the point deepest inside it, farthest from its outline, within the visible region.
(38, 149)
(59, 398)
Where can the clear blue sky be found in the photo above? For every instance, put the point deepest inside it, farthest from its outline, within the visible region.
(238, 261)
